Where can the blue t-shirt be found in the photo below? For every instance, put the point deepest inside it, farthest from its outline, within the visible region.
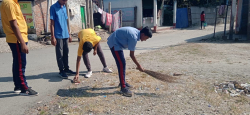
(125, 37)
(59, 15)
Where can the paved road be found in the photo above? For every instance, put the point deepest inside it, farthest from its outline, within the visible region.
(42, 70)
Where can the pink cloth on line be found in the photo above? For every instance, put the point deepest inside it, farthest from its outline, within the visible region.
(116, 20)
(109, 19)
(103, 17)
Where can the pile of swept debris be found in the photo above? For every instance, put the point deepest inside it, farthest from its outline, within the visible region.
(233, 88)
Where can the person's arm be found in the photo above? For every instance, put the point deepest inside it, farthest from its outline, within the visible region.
(52, 25)
(132, 55)
(15, 28)
(70, 38)
(53, 39)
(78, 61)
(79, 55)
(95, 49)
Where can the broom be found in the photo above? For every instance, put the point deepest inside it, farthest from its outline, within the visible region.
(160, 76)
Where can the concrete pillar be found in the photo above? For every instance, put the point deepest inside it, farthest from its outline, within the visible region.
(248, 27)
(174, 13)
(155, 15)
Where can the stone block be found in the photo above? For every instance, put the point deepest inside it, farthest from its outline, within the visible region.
(32, 37)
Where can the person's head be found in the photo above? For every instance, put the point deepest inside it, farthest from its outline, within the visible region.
(87, 47)
(202, 12)
(62, 2)
(145, 33)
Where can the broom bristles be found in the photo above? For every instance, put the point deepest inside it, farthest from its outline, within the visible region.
(160, 76)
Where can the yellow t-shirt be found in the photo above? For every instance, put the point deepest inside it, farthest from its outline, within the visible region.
(10, 10)
(87, 35)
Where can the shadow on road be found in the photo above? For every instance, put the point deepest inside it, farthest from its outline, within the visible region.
(88, 92)
(218, 39)
(8, 94)
(52, 77)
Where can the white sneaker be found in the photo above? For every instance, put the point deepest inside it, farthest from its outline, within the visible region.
(106, 69)
(88, 74)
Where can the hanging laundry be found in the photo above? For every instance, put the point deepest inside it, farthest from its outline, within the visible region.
(100, 10)
(222, 9)
(109, 19)
(144, 20)
(103, 17)
(95, 8)
(116, 20)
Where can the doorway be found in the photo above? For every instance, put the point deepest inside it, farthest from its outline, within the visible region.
(83, 17)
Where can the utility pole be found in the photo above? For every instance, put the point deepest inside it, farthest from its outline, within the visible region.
(47, 17)
(110, 13)
(68, 21)
(121, 18)
(215, 20)
(225, 37)
(88, 14)
(233, 12)
(91, 15)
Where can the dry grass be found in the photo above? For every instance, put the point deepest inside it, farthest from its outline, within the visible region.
(160, 76)
(192, 92)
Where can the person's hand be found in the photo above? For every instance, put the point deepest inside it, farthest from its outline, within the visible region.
(95, 52)
(76, 77)
(70, 39)
(53, 41)
(75, 80)
(140, 68)
(24, 48)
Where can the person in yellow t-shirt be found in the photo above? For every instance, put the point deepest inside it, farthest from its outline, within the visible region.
(15, 28)
(88, 40)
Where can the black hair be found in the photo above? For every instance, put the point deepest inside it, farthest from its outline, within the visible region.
(87, 47)
(202, 12)
(147, 31)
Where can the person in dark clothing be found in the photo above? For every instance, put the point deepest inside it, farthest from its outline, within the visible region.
(202, 18)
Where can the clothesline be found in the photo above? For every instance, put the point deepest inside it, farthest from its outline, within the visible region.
(109, 19)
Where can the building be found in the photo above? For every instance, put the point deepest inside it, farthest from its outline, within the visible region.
(35, 13)
(137, 13)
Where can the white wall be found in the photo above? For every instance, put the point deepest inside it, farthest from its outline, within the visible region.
(125, 4)
(75, 21)
(209, 15)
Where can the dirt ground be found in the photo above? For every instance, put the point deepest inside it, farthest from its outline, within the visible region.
(198, 67)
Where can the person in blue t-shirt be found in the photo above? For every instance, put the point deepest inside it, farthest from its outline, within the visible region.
(122, 38)
(60, 36)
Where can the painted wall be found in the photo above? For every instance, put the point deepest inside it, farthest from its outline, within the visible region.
(209, 15)
(40, 12)
(125, 4)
